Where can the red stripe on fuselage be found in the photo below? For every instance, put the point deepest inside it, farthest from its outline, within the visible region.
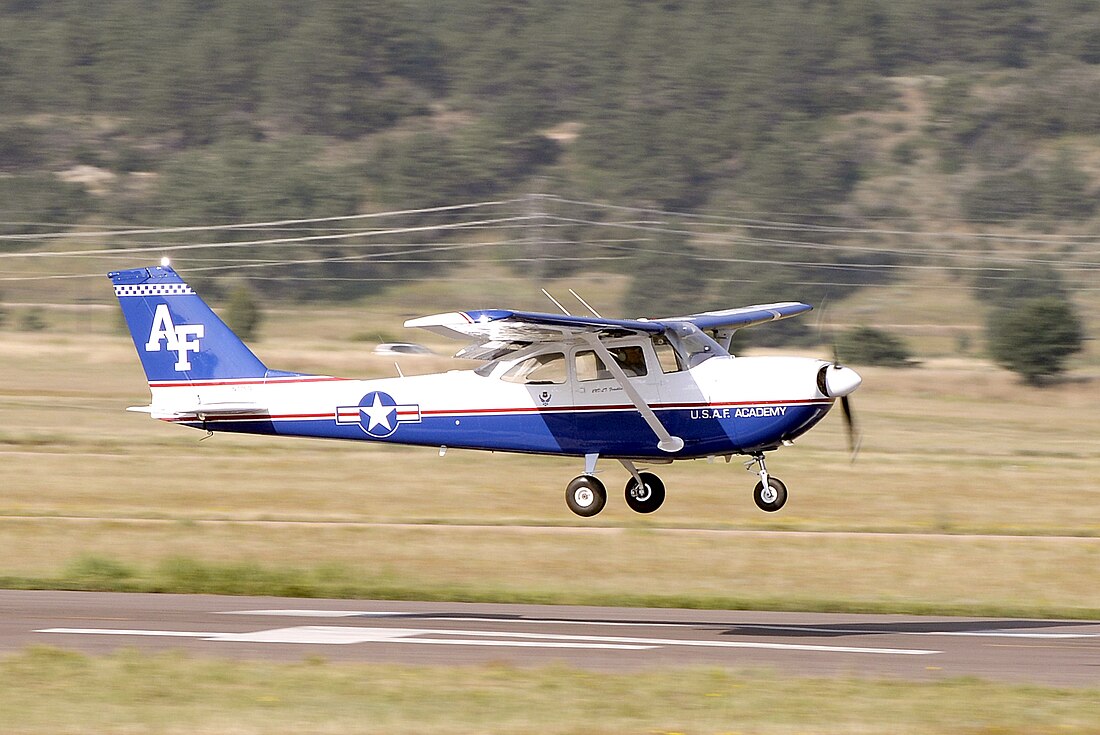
(245, 381)
(521, 410)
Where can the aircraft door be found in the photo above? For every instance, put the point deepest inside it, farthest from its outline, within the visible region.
(544, 378)
(606, 419)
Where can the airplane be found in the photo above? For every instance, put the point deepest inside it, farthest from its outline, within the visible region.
(639, 391)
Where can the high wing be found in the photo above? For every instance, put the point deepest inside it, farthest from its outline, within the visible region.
(745, 316)
(493, 332)
(496, 332)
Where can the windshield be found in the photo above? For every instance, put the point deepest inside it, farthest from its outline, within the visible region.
(693, 346)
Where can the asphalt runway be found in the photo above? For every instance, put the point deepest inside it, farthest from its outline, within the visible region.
(1060, 652)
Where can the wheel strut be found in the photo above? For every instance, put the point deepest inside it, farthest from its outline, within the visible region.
(762, 472)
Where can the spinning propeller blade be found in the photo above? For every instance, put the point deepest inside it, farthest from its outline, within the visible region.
(855, 437)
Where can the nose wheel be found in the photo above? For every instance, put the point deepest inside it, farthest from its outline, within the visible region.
(770, 494)
(772, 497)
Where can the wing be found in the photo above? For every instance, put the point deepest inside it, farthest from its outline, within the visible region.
(745, 316)
(494, 332)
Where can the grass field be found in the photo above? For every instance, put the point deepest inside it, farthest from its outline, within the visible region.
(47, 690)
(972, 494)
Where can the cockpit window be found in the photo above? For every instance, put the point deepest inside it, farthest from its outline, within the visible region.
(692, 345)
(667, 356)
(545, 369)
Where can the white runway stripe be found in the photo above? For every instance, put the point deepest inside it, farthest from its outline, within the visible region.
(340, 635)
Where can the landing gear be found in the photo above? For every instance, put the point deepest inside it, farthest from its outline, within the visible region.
(772, 497)
(770, 493)
(645, 496)
(586, 496)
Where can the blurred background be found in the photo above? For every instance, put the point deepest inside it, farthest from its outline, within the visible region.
(714, 153)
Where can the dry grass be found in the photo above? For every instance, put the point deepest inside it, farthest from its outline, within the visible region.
(920, 574)
(49, 691)
(952, 447)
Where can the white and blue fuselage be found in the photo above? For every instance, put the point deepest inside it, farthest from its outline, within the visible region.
(631, 390)
(726, 405)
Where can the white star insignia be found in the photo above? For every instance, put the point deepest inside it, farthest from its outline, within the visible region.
(378, 414)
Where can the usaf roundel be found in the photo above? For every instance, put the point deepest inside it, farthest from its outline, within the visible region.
(378, 414)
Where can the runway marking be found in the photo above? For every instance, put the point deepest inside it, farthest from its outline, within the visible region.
(994, 633)
(453, 618)
(991, 633)
(340, 635)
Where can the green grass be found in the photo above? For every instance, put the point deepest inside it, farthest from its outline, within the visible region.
(45, 690)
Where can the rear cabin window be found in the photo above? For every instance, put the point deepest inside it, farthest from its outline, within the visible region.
(543, 369)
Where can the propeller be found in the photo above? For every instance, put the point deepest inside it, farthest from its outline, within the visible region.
(837, 381)
(855, 436)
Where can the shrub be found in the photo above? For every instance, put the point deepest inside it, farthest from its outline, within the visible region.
(243, 313)
(32, 320)
(870, 346)
(1034, 337)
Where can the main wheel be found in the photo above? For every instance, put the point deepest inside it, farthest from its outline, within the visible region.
(772, 498)
(648, 496)
(586, 496)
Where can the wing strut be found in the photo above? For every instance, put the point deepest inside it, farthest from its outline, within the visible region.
(668, 442)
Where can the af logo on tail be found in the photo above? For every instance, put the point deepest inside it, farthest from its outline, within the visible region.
(178, 339)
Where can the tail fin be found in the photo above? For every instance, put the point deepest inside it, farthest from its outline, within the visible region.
(178, 337)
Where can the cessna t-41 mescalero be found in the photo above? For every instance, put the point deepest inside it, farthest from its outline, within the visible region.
(638, 391)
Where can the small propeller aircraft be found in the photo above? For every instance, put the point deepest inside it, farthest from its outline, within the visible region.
(638, 391)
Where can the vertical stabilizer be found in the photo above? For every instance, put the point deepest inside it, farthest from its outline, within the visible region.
(177, 336)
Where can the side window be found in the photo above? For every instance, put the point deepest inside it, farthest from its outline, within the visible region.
(589, 366)
(666, 356)
(631, 360)
(538, 370)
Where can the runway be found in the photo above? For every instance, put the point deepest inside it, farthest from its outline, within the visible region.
(1059, 652)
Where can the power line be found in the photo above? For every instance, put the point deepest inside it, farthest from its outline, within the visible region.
(249, 225)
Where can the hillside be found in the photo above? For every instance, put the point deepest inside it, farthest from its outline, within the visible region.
(717, 153)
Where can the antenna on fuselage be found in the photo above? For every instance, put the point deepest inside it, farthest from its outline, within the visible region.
(587, 305)
(556, 302)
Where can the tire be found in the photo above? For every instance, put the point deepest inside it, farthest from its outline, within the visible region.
(586, 496)
(771, 504)
(649, 497)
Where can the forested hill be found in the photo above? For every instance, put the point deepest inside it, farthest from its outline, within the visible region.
(865, 116)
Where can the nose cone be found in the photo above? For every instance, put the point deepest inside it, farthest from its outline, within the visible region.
(840, 381)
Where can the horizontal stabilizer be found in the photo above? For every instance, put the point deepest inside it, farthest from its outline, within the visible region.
(204, 409)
